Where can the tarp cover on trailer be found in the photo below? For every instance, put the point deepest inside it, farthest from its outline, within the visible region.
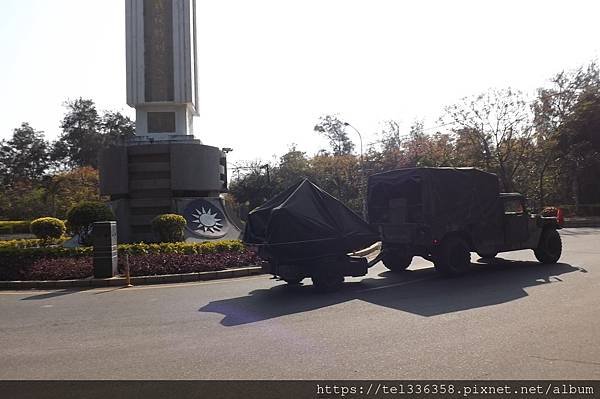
(304, 221)
(448, 196)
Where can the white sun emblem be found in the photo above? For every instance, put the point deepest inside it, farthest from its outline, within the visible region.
(207, 220)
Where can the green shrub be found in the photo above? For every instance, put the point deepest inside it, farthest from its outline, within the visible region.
(169, 227)
(31, 243)
(182, 248)
(82, 216)
(14, 227)
(17, 260)
(48, 227)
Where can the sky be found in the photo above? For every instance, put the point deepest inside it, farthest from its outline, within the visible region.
(269, 69)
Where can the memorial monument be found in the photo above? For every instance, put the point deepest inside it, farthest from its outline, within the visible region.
(164, 168)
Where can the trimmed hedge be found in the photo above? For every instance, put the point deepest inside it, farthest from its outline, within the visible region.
(55, 262)
(169, 227)
(15, 227)
(48, 227)
(31, 243)
(182, 248)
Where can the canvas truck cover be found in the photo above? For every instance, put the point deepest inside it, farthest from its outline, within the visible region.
(305, 222)
(444, 198)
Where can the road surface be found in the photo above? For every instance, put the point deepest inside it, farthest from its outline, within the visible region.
(507, 320)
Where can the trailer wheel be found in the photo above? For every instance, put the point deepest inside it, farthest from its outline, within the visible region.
(453, 257)
(549, 248)
(396, 261)
(327, 282)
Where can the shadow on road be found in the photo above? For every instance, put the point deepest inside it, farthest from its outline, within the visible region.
(54, 294)
(420, 292)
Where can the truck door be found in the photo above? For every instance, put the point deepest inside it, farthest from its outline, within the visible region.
(515, 223)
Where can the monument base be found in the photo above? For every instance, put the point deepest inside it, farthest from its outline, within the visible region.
(206, 220)
(146, 178)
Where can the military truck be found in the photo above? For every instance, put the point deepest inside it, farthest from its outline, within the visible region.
(444, 214)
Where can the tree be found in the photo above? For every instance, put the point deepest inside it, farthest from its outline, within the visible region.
(579, 146)
(253, 187)
(23, 200)
(116, 127)
(25, 156)
(81, 139)
(66, 189)
(334, 130)
(391, 154)
(555, 110)
(340, 176)
(86, 133)
(293, 166)
(500, 123)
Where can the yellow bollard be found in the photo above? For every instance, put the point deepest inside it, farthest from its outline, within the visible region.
(127, 272)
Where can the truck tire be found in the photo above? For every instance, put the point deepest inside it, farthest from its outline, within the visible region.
(327, 282)
(549, 248)
(453, 257)
(396, 261)
(491, 255)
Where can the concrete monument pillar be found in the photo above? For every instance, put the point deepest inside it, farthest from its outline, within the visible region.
(164, 168)
(162, 79)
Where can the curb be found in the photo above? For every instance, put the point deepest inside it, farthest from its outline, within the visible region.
(122, 281)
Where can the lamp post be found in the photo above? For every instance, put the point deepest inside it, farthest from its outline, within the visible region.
(363, 174)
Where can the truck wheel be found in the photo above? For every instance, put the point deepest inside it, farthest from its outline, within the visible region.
(491, 255)
(396, 261)
(453, 257)
(293, 281)
(549, 248)
(327, 282)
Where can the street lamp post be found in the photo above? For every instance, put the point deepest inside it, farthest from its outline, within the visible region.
(363, 172)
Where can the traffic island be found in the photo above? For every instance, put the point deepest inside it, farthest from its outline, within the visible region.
(141, 280)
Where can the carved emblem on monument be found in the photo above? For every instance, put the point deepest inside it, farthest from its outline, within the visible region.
(205, 219)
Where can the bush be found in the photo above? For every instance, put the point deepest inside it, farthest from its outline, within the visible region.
(14, 227)
(52, 263)
(169, 228)
(32, 243)
(81, 217)
(46, 228)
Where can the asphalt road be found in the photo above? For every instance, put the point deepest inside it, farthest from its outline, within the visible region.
(507, 320)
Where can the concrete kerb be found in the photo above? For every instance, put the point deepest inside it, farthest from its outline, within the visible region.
(122, 281)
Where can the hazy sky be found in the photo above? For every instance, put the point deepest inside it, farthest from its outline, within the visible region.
(269, 69)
